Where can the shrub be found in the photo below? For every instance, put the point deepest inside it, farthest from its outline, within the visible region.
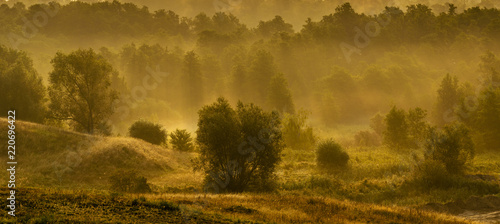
(447, 153)
(296, 134)
(330, 154)
(451, 146)
(129, 182)
(181, 140)
(149, 132)
(432, 174)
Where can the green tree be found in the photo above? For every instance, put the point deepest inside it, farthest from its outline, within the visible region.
(488, 118)
(261, 71)
(192, 80)
(417, 126)
(447, 100)
(396, 134)
(80, 90)
(276, 25)
(22, 87)
(239, 149)
(279, 97)
(181, 140)
(239, 81)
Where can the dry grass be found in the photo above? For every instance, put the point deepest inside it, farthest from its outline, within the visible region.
(54, 206)
(55, 157)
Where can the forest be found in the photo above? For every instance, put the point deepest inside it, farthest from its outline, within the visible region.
(387, 103)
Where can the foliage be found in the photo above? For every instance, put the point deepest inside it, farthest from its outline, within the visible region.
(377, 124)
(80, 90)
(279, 96)
(129, 182)
(192, 80)
(296, 134)
(239, 149)
(417, 126)
(452, 146)
(396, 134)
(148, 131)
(330, 154)
(21, 85)
(447, 100)
(488, 119)
(181, 140)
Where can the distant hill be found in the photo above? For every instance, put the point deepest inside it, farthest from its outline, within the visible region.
(49, 156)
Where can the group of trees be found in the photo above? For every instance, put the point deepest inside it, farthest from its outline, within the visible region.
(272, 64)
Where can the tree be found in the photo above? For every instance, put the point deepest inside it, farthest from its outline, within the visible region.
(80, 90)
(488, 118)
(377, 124)
(447, 100)
(396, 134)
(239, 149)
(279, 96)
(239, 83)
(417, 126)
(451, 146)
(22, 87)
(276, 25)
(261, 71)
(149, 132)
(192, 80)
(296, 134)
(181, 140)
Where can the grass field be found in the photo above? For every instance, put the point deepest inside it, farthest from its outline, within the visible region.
(63, 176)
(73, 206)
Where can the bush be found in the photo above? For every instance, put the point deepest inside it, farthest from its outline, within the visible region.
(181, 140)
(432, 174)
(330, 154)
(129, 182)
(149, 132)
(451, 146)
(239, 149)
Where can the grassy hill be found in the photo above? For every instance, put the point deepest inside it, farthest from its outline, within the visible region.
(49, 156)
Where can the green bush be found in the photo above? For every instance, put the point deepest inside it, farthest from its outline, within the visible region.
(149, 132)
(129, 182)
(432, 174)
(452, 146)
(330, 154)
(181, 140)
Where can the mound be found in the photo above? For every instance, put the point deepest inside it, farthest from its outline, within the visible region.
(49, 156)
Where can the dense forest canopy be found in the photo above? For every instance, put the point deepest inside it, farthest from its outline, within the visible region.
(343, 62)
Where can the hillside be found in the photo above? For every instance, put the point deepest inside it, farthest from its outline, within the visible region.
(49, 156)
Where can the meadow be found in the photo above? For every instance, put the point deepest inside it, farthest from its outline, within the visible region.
(375, 188)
